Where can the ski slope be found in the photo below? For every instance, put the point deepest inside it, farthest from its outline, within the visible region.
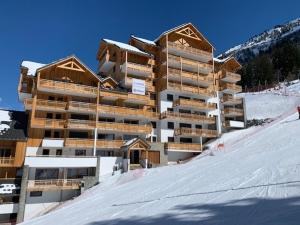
(254, 180)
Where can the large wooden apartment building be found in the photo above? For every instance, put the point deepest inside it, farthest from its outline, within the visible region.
(150, 103)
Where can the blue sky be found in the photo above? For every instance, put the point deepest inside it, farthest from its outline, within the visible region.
(45, 31)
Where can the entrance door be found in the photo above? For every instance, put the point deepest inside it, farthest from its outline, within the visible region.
(134, 157)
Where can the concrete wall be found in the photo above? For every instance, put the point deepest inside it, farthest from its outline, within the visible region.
(107, 164)
(175, 156)
(163, 153)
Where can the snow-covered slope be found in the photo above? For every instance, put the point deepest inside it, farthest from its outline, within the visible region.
(255, 179)
(263, 41)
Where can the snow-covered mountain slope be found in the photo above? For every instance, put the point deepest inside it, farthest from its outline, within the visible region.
(262, 42)
(254, 180)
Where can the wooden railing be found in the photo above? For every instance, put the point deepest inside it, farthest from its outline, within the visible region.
(118, 110)
(82, 107)
(48, 123)
(232, 76)
(189, 62)
(233, 87)
(124, 96)
(147, 70)
(192, 89)
(235, 111)
(190, 75)
(188, 117)
(46, 104)
(7, 161)
(186, 147)
(194, 103)
(81, 124)
(230, 98)
(125, 127)
(68, 87)
(54, 184)
(89, 143)
(195, 132)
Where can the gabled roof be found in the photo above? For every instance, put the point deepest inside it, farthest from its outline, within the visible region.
(126, 47)
(179, 27)
(228, 59)
(13, 125)
(144, 40)
(133, 141)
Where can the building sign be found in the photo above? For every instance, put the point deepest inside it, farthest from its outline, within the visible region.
(138, 86)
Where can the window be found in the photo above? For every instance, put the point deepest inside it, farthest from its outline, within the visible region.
(79, 117)
(58, 151)
(51, 98)
(60, 99)
(185, 125)
(154, 139)
(56, 134)
(186, 140)
(152, 96)
(47, 134)
(170, 125)
(80, 152)
(153, 124)
(49, 116)
(46, 174)
(6, 152)
(169, 97)
(58, 116)
(77, 134)
(170, 139)
(198, 126)
(183, 97)
(36, 193)
(170, 109)
(45, 151)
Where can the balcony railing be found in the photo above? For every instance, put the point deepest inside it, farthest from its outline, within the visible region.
(124, 111)
(190, 50)
(46, 105)
(129, 97)
(66, 87)
(230, 88)
(231, 100)
(230, 76)
(185, 131)
(176, 73)
(125, 128)
(233, 112)
(190, 103)
(188, 117)
(191, 89)
(82, 107)
(81, 124)
(183, 147)
(53, 184)
(89, 143)
(137, 69)
(48, 123)
(7, 161)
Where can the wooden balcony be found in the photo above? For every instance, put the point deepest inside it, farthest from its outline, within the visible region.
(127, 82)
(46, 105)
(233, 112)
(81, 124)
(44, 123)
(126, 112)
(61, 87)
(124, 96)
(229, 88)
(137, 69)
(183, 147)
(184, 76)
(82, 107)
(188, 52)
(89, 143)
(189, 132)
(230, 77)
(194, 104)
(7, 161)
(124, 128)
(231, 100)
(203, 92)
(189, 65)
(53, 184)
(176, 116)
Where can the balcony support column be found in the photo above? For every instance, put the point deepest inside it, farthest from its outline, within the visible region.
(97, 117)
(167, 53)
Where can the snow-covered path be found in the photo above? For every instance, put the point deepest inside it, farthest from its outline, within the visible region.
(256, 181)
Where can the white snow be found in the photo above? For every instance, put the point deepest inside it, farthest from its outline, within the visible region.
(253, 180)
(144, 40)
(127, 143)
(4, 117)
(32, 67)
(126, 47)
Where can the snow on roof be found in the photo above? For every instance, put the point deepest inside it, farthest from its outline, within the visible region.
(4, 120)
(32, 67)
(144, 40)
(127, 143)
(126, 47)
(221, 60)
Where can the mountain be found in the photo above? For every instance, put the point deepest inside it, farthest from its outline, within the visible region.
(264, 41)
